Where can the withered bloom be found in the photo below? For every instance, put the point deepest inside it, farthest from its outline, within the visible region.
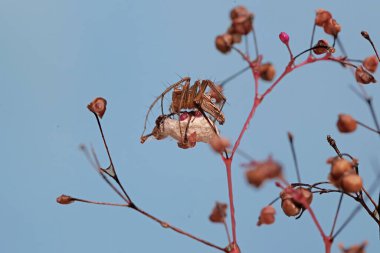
(224, 42)
(346, 123)
(258, 172)
(266, 216)
(321, 17)
(98, 106)
(267, 71)
(363, 76)
(370, 63)
(219, 213)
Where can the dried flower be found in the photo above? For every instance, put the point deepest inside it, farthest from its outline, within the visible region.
(346, 123)
(284, 37)
(98, 106)
(267, 71)
(332, 27)
(370, 63)
(363, 76)
(219, 144)
(219, 213)
(258, 172)
(321, 47)
(266, 216)
(224, 42)
(322, 16)
(65, 200)
(292, 206)
(351, 182)
(239, 11)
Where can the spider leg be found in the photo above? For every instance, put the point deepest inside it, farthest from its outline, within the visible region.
(185, 79)
(222, 97)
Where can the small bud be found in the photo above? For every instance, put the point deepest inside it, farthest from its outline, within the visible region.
(219, 213)
(351, 183)
(267, 71)
(365, 35)
(346, 123)
(65, 200)
(321, 47)
(219, 144)
(363, 76)
(332, 27)
(98, 106)
(224, 43)
(322, 16)
(370, 63)
(267, 216)
(284, 37)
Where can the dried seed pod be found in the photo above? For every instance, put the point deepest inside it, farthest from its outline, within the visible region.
(321, 47)
(346, 123)
(258, 172)
(290, 208)
(322, 16)
(98, 106)
(370, 63)
(363, 76)
(332, 27)
(339, 166)
(65, 200)
(219, 144)
(267, 71)
(307, 194)
(351, 183)
(224, 42)
(266, 216)
(243, 25)
(236, 38)
(219, 213)
(239, 11)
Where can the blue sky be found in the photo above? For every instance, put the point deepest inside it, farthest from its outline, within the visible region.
(56, 56)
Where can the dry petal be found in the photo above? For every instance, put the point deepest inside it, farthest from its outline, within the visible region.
(258, 172)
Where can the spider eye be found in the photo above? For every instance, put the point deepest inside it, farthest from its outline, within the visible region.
(213, 100)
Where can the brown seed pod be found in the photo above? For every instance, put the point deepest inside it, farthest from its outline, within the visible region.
(307, 194)
(65, 200)
(362, 76)
(219, 144)
(266, 216)
(332, 27)
(370, 63)
(219, 213)
(243, 25)
(339, 166)
(239, 11)
(322, 16)
(224, 43)
(346, 123)
(358, 248)
(321, 47)
(267, 71)
(258, 172)
(290, 208)
(351, 183)
(98, 106)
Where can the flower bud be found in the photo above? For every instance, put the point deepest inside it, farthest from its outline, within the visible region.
(321, 47)
(98, 106)
(218, 214)
(224, 43)
(65, 200)
(322, 16)
(219, 144)
(284, 37)
(370, 63)
(351, 183)
(332, 27)
(267, 71)
(267, 216)
(346, 123)
(363, 76)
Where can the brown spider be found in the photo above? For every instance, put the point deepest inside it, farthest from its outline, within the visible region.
(194, 98)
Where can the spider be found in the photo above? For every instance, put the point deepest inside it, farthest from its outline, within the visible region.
(191, 97)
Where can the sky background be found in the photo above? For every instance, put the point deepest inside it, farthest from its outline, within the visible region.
(56, 56)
